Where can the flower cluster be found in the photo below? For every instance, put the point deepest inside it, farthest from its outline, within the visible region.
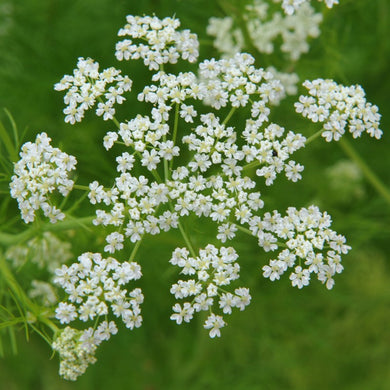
(185, 158)
(214, 270)
(94, 286)
(337, 107)
(309, 241)
(87, 86)
(41, 170)
(195, 187)
(157, 41)
(292, 6)
(153, 189)
(235, 81)
(264, 27)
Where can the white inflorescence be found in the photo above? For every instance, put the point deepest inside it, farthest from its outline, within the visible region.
(87, 86)
(157, 41)
(212, 271)
(94, 289)
(137, 201)
(339, 108)
(41, 171)
(152, 191)
(310, 242)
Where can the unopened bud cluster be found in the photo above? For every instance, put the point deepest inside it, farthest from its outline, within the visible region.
(75, 355)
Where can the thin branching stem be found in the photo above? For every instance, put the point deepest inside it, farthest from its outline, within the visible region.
(229, 115)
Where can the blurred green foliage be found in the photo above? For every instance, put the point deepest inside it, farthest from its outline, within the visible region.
(287, 338)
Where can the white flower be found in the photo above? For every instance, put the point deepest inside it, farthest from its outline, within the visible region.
(292, 6)
(325, 275)
(115, 242)
(185, 313)
(86, 85)
(300, 278)
(293, 171)
(214, 323)
(274, 270)
(66, 313)
(264, 28)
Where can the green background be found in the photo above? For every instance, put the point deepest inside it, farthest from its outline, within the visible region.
(287, 338)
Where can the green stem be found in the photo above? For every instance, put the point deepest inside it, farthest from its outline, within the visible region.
(253, 164)
(369, 174)
(69, 223)
(12, 239)
(231, 112)
(14, 128)
(313, 137)
(81, 187)
(156, 176)
(187, 240)
(135, 249)
(244, 230)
